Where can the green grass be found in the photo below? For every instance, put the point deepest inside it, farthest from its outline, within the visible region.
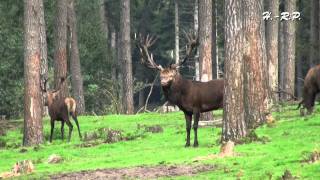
(291, 138)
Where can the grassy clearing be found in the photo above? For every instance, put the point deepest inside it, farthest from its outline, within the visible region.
(290, 141)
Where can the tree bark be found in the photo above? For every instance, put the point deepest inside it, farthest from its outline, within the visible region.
(314, 35)
(126, 56)
(272, 28)
(44, 55)
(33, 129)
(60, 45)
(205, 46)
(234, 126)
(196, 31)
(176, 30)
(289, 54)
(255, 74)
(75, 66)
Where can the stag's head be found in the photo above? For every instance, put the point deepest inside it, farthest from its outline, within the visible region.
(167, 74)
(51, 95)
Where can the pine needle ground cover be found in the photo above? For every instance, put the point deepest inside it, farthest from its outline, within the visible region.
(291, 143)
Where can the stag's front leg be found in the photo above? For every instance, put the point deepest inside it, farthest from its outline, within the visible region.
(62, 130)
(52, 127)
(188, 128)
(195, 128)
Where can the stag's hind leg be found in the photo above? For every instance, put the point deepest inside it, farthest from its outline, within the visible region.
(74, 117)
(70, 128)
(188, 118)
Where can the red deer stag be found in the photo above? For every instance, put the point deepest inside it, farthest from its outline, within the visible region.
(311, 88)
(60, 108)
(192, 97)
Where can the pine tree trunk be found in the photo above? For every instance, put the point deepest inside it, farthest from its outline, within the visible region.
(176, 30)
(126, 56)
(272, 28)
(196, 31)
(60, 45)
(289, 54)
(234, 126)
(205, 46)
(33, 129)
(314, 35)
(44, 54)
(255, 72)
(75, 66)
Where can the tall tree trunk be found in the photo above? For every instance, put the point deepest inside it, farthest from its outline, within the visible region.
(33, 129)
(75, 66)
(196, 31)
(176, 30)
(314, 35)
(234, 126)
(205, 40)
(272, 29)
(289, 54)
(44, 55)
(215, 62)
(60, 45)
(126, 56)
(255, 77)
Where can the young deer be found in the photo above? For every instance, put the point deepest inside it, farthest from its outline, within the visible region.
(192, 97)
(60, 108)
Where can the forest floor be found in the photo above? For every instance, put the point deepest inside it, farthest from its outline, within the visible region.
(151, 145)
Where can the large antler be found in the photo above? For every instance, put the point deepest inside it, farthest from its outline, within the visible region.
(146, 58)
(192, 43)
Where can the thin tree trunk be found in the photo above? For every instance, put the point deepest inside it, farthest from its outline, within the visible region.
(234, 126)
(104, 19)
(215, 62)
(114, 57)
(176, 30)
(44, 55)
(60, 45)
(281, 58)
(120, 67)
(205, 47)
(255, 77)
(126, 56)
(75, 66)
(272, 29)
(196, 31)
(314, 35)
(289, 55)
(33, 129)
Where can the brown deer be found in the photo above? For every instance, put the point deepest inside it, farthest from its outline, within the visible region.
(60, 108)
(192, 97)
(311, 88)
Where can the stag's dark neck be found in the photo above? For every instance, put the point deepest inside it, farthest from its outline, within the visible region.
(173, 92)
